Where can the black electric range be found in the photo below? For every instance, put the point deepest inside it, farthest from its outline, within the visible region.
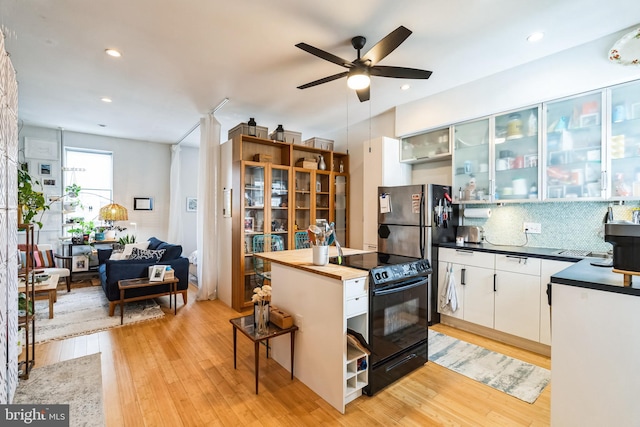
(398, 306)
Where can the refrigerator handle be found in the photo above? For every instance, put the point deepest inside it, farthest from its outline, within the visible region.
(422, 224)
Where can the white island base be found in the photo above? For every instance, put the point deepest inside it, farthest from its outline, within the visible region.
(323, 304)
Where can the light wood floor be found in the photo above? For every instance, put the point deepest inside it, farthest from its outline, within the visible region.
(178, 371)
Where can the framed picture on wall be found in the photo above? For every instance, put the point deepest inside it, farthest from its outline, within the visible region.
(40, 149)
(192, 204)
(44, 169)
(142, 204)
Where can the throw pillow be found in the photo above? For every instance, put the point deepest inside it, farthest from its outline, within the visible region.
(116, 256)
(129, 247)
(147, 254)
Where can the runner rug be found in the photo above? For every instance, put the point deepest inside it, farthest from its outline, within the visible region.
(86, 310)
(512, 376)
(76, 382)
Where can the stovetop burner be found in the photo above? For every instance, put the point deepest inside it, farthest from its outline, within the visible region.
(386, 268)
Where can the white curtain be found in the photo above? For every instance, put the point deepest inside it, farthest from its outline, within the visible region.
(175, 205)
(208, 208)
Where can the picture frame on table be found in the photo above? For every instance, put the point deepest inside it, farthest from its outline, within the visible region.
(248, 224)
(157, 273)
(192, 204)
(80, 263)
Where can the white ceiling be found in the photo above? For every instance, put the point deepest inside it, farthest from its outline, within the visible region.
(182, 58)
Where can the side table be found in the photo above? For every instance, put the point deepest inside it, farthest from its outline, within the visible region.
(123, 285)
(245, 325)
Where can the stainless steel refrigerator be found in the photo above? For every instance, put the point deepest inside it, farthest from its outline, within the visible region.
(414, 218)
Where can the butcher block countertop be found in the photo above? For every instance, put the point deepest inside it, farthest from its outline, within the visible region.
(303, 259)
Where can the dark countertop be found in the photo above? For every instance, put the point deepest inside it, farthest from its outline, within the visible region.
(544, 253)
(583, 274)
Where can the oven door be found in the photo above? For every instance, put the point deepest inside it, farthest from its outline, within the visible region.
(397, 318)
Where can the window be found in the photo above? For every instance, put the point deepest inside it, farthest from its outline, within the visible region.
(93, 171)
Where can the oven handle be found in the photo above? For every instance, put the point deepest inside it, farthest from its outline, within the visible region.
(409, 284)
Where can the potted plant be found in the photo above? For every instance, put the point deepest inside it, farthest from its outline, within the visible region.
(80, 233)
(72, 191)
(30, 201)
(99, 232)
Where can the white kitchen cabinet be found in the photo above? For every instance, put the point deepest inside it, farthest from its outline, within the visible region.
(426, 146)
(517, 296)
(574, 147)
(381, 167)
(547, 269)
(470, 165)
(473, 272)
(624, 139)
(502, 292)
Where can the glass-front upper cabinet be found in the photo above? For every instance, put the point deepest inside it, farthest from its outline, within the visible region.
(624, 141)
(279, 203)
(516, 152)
(471, 171)
(573, 149)
(426, 146)
(254, 194)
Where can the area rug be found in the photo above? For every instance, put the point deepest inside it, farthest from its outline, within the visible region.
(76, 382)
(86, 310)
(514, 377)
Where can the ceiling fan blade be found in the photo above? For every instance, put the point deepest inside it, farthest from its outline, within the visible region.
(387, 45)
(325, 55)
(324, 80)
(399, 72)
(363, 94)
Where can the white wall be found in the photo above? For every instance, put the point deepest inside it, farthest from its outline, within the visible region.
(382, 125)
(188, 188)
(141, 169)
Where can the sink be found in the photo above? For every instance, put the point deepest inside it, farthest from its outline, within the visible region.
(581, 253)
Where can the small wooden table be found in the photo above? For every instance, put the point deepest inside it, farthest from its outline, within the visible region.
(123, 285)
(245, 325)
(47, 289)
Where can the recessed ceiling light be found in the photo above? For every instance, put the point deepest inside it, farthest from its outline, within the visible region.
(113, 52)
(102, 126)
(405, 86)
(534, 37)
(105, 99)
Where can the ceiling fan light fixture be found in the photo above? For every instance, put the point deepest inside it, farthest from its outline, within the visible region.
(358, 79)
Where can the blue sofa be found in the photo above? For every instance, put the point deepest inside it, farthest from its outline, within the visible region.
(111, 271)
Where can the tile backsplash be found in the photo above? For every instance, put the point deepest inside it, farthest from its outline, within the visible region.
(565, 225)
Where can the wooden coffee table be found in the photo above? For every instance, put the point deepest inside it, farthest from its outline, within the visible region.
(123, 285)
(47, 289)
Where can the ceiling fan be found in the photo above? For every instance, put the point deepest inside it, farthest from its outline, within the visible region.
(361, 68)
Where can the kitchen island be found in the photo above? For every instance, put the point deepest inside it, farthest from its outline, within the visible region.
(324, 301)
(595, 347)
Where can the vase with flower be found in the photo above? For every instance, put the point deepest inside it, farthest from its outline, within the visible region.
(261, 298)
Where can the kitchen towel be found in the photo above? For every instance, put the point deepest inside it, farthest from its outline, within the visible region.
(477, 213)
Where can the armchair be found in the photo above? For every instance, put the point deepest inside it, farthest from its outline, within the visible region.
(44, 259)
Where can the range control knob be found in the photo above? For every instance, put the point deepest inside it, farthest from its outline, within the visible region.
(385, 275)
(377, 276)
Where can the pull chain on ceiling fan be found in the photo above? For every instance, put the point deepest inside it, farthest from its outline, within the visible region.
(361, 68)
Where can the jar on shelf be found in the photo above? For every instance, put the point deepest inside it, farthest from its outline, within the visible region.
(514, 126)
